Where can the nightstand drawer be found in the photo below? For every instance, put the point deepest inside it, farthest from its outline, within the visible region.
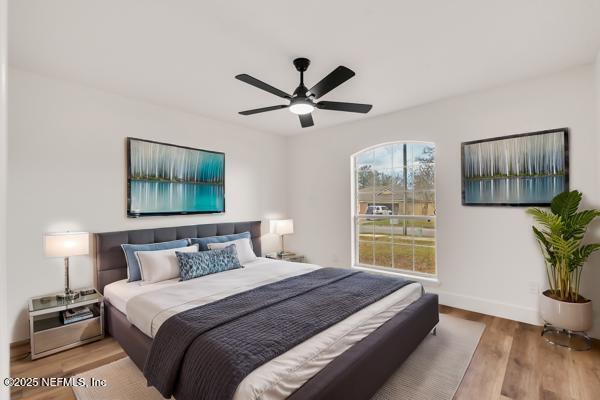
(65, 335)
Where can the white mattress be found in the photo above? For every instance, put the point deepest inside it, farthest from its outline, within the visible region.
(148, 306)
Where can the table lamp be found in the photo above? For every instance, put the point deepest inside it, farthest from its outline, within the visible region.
(66, 245)
(284, 227)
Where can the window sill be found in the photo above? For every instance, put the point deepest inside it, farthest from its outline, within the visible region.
(426, 281)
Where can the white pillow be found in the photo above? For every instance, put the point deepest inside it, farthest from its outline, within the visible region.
(242, 246)
(160, 265)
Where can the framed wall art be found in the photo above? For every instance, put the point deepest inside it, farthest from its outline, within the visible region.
(518, 170)
(166, 179)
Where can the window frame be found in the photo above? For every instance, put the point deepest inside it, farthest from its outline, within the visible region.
(355, 218)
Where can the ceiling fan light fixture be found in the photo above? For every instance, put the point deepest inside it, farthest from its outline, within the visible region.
(302, 108)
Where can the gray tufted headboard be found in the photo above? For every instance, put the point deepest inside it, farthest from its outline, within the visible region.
(110, 260)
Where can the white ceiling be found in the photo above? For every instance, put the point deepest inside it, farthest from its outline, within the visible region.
(185, 54)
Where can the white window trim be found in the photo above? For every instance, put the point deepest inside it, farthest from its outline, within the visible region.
(426, 279)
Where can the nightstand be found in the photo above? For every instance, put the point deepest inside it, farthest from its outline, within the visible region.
(287, 257)
(47, 332)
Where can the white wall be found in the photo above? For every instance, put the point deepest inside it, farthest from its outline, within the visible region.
(597, 76)
(486, 256)
(4, 353)
(68, 172)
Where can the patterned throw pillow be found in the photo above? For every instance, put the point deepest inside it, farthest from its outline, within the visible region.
(195, 265)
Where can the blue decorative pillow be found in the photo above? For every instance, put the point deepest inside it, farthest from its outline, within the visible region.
(203, 242)
(195, 265)
(133, 266)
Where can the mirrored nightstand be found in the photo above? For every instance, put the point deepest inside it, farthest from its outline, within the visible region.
(287, 257)
(49, 334)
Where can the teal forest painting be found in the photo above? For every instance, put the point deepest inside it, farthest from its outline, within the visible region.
(518, 170)
(165, 179)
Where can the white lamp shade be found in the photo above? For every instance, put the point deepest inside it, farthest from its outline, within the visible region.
(67, 244)
(284, 226)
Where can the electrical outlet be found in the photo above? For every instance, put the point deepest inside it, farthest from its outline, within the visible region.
(534, 288)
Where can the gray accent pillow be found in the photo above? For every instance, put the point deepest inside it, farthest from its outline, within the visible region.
(203, 242)
(133, 266)
(195, 265)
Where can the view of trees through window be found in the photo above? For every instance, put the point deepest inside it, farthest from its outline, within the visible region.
(394, 212)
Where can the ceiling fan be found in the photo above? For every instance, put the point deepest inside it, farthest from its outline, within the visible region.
(302, 101)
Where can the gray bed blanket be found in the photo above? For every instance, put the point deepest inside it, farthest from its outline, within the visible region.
(205, 352)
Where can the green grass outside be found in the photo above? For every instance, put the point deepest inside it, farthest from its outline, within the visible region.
(398, 239)
(380, 254)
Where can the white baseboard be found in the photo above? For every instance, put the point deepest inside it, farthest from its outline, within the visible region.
(498, 309)
(489, 307)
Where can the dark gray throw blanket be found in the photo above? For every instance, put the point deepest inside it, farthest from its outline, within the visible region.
(205, 352)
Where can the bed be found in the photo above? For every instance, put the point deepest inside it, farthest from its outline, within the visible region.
(349, 360)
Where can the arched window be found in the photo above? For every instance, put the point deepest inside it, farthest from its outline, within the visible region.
(394, 207)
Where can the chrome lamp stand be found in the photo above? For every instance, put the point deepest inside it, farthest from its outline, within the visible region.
(68, 294)
(283, 253)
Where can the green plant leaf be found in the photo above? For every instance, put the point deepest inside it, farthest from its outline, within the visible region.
(551, 221)
(565, 204)
(580, 255)
(583, 218)
(563, 248)
(545, 246)
(541, 237)
(576, 225)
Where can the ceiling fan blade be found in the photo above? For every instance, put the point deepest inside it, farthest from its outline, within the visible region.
(261, 85)
(264, 109)
(338, 76)
(306, 120)
(349, 107)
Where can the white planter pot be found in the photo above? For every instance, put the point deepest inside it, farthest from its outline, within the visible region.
(576, 317)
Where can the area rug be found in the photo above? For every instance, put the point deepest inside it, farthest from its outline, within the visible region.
(436, 368)
(433, 372)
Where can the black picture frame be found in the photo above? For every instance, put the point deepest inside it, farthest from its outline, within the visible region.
(565, 131)
(132, 214)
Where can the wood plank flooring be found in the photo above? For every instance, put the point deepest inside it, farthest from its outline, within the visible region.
(512, 362)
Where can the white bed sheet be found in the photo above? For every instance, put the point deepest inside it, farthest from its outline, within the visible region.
(120, 292)
(148, 306)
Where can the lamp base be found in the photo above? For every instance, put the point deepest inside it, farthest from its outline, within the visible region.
(68, 296)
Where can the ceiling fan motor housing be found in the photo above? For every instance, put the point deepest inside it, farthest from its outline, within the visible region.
(301, 64)
(301, 91)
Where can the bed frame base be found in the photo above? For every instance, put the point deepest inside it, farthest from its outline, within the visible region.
(354, 375)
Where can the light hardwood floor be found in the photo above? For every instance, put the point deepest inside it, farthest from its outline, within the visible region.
(512, 361)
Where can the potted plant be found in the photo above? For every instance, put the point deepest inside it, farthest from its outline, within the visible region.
(560, 236)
